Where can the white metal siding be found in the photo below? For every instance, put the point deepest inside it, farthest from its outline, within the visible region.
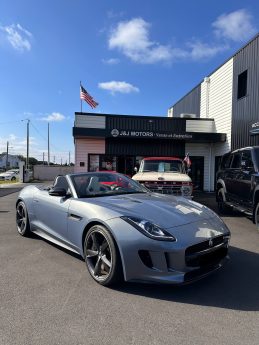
(90, 121)
(216, 101)
(85, 146)
(201, 150)
(200, 126)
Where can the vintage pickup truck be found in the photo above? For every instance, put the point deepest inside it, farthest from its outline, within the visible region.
(166, 175)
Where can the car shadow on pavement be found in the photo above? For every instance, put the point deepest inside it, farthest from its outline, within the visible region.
(235, 286)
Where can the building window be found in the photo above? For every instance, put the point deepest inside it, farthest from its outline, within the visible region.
(242, 85)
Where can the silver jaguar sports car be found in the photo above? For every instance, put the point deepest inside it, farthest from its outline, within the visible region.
(123, 231)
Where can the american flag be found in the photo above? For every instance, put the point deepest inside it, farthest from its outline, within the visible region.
(88, 98)
(187, 160)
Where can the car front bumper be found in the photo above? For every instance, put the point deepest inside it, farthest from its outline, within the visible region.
(179, 262)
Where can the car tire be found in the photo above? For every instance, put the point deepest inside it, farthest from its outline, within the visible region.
(102, 256)
(222, 207)
(13, 178)
(22, 219)
(256, 215)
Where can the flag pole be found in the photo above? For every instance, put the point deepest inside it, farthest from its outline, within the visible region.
(80, 97)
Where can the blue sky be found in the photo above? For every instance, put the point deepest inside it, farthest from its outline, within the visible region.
(133, 57)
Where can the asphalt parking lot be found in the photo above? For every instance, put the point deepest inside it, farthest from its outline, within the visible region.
(47, 296)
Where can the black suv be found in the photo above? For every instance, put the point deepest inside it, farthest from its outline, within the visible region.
(238, 182)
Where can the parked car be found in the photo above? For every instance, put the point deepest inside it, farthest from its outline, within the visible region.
(10, 175)
(166, 175)
(125, 231)
(238, 182)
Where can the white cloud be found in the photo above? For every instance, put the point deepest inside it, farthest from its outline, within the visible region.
(201, 50)
(54, 117)
(236, 26)
(111, 61)
(118, 86)
(132, 39)
(17, 36)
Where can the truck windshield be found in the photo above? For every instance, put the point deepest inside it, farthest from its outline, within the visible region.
(162, 166)
(256, 157)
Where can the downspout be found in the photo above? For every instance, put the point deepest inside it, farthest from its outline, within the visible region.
(207, 81)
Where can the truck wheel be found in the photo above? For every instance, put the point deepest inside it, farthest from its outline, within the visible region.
(222, 207)
(256, 216)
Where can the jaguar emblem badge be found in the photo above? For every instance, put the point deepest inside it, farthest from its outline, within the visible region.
(211, 242)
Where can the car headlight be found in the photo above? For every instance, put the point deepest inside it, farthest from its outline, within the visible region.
(186, 190)
(149, 229)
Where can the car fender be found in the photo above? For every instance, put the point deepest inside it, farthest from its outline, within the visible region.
(222, 183)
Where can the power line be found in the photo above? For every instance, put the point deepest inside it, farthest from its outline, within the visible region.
(7, 123)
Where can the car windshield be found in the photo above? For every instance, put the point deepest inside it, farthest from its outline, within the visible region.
(162, 166)
(104, 184)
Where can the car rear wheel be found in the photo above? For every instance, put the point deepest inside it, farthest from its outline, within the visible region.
(102, 256)
(13, 178)
(22, 220)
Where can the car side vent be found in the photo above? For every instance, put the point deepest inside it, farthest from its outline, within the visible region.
(145, 258)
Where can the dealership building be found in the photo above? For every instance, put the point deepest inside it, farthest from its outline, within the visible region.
(218, 115)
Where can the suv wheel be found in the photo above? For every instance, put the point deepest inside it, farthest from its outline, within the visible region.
(256, 216)
(222, 207)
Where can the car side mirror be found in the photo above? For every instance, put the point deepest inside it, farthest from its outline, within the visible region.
(58, 191)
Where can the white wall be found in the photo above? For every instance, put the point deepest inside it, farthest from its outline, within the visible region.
(85, 146)
(216, 103)
(48, 173)
(201, 150)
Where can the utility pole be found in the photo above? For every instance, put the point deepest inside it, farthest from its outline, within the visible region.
(7, 148)
(28, 138)
(48, 144)
(43, 158)
(69, 158)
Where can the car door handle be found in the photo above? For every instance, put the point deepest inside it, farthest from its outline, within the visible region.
(35, 200)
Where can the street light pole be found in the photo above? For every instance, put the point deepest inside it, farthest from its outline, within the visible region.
(7, 148)
(48, 145)
(28, 138)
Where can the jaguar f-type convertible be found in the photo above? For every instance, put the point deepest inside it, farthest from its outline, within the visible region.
(123, 231)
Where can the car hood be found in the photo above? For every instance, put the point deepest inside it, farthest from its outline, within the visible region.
(165, 211)
(163, 176)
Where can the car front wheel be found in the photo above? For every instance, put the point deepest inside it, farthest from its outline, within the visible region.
(222, 207)
(102, 256)
(22, 220)
(256, 216)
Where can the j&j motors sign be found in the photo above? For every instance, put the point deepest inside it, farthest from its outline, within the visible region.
(147, 134)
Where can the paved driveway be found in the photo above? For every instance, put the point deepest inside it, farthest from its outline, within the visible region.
(47, 297)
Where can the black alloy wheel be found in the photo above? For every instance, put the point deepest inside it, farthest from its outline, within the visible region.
(22, 220)
(222, 207)
(256, 216)
(102, 256)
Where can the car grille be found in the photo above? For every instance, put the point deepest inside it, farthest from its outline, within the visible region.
(162, 187)
(207, 253)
